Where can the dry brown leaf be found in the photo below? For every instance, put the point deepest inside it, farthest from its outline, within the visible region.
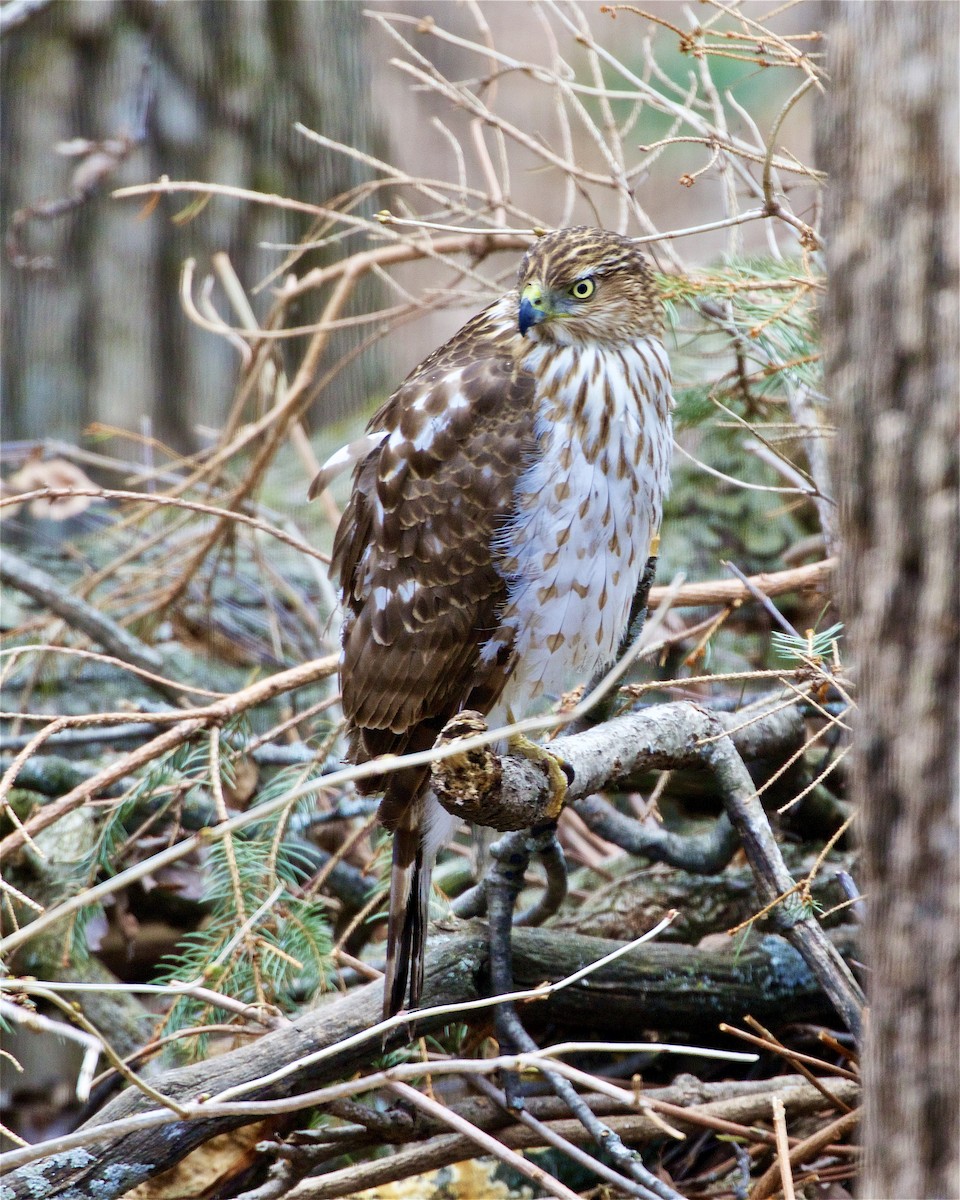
(50, 473)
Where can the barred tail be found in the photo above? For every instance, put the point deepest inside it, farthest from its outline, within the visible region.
(419, 825)
(409, 909)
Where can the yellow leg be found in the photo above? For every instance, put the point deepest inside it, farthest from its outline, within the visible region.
(534, 752)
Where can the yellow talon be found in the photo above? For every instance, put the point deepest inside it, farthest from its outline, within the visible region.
(553, 763)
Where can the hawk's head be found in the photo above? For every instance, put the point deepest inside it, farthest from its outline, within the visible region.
(587, 285)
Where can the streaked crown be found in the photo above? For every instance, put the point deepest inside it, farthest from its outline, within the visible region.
(590, 285)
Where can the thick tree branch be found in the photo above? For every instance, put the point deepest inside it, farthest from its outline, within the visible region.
(662, 737)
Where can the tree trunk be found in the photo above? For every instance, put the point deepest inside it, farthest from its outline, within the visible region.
(99, 335)
(889, 143)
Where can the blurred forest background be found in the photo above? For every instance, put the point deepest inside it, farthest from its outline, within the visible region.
(229, 230)
(93, 329)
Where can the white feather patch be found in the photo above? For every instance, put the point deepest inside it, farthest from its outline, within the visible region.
(342, 460)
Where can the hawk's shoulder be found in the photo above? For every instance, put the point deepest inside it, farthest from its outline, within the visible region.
(486, 349)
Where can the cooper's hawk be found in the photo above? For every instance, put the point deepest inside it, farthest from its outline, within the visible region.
(502, 512)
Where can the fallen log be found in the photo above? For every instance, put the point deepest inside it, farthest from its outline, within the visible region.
(673, 987)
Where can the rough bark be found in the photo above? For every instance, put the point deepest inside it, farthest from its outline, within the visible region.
(623, 899)
(889, 141)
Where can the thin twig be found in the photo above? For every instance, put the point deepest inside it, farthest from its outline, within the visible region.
(161, 500)
(783, 1148)
(488, 1144)
(182, 731)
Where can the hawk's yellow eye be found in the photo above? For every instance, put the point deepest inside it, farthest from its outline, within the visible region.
(583, 289)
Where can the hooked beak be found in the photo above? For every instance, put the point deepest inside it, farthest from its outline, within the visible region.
(531, 311)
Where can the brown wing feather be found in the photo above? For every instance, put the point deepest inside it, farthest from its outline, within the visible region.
(417, 557)
(416, 549)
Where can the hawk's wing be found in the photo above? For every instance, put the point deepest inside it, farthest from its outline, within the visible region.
(417, 548)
